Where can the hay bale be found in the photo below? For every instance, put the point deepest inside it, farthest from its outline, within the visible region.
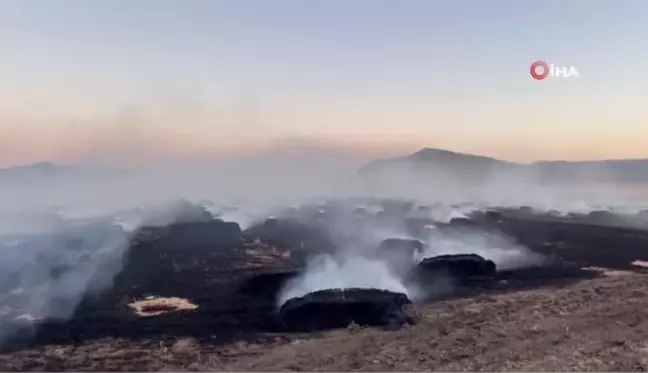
(337, 308)
(459, 266)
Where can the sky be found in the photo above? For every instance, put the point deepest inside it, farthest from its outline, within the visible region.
(125, 81)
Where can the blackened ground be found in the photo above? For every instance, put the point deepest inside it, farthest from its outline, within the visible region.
(267, 284)
(585, 309)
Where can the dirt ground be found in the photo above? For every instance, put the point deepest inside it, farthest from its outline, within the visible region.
(590, 313)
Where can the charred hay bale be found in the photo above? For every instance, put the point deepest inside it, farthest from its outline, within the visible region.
(397, 207)
(526, 209)
(462, 222)
(573, 216)
(271, 222)
(337, 308)
(459, 266)
(408, 246)
(603, 217)
(203, 235)
(360, 212)
(382, 217)
(422, 212)
(488, 216)
(266, 285)
(398, 253)
(642, 215)
(181, 211)
(493, 216)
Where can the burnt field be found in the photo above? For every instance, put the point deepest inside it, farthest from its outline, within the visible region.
(503, 289)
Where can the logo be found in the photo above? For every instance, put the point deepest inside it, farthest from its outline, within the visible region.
(541, 70)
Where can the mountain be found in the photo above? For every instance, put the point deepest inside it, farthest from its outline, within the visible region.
(437, 164)
(45, 172)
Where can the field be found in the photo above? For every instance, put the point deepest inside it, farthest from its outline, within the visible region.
(177, 309)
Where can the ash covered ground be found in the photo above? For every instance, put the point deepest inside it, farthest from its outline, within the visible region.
(340, 284)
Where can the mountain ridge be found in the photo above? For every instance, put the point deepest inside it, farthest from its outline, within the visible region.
(426, 160)
(470, 167)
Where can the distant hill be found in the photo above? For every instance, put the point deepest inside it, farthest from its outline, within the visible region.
(45, 172)
(437, 164)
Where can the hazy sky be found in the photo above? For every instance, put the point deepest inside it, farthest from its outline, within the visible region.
(131, 79)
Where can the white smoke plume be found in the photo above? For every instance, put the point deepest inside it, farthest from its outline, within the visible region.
(325, 272)
(355, 264)
(502, 250)
(45, 275)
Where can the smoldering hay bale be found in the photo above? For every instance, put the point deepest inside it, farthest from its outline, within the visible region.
(459, 266)
(180, 211)
(405, 245)
(603, 217)
(494, 216)
(398, 253)
(337, 308)
(462, 222)
(196, 235)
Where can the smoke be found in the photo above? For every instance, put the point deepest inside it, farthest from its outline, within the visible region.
(502, 250)
(52, 261)
(45, 275)
(71, 242)
(325, 272)
(357, 262)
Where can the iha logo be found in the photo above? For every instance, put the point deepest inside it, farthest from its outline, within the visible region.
(541, 70)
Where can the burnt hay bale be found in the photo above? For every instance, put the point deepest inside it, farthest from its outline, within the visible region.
(398, 253)
(462, 222)
(408, 246)
(642, 215)
(271, 222)
(459, 266)
(208, 234)
(337, 308)
(603, 217)
(494, 216)
(526, 209)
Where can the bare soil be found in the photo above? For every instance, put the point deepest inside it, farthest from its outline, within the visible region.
(588, 311)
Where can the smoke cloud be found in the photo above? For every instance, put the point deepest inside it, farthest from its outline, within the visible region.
(64, 230)
(325, 272)
(45, 275)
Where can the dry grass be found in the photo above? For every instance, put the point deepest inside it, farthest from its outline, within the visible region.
(153, 306)
(640, 263)
(595, 325)
(608, 271)
(264, 256)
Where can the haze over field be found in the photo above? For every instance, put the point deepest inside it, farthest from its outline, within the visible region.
(269, 102)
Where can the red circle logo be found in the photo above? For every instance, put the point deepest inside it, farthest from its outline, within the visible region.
(534, 70)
